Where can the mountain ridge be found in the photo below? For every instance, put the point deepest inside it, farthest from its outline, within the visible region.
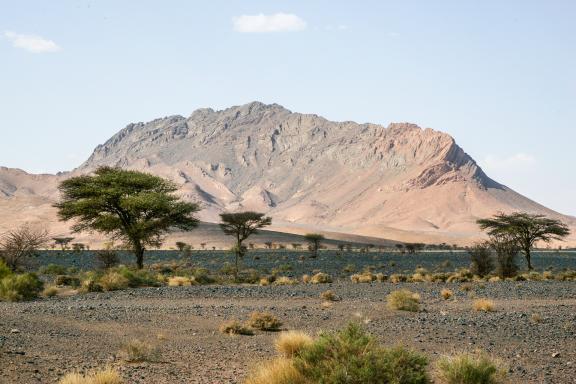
(310, 174)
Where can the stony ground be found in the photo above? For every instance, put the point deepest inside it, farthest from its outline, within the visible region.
(41, 340)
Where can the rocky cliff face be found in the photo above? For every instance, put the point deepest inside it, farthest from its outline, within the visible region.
(309, 173)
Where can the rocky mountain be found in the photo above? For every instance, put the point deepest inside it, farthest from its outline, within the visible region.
(398, 182)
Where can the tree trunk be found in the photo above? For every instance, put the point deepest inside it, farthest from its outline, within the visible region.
(139, 252)
(527, 253)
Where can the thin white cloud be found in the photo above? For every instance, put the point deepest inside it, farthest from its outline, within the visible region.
(261, 23)
(515, 162)
(32, 43)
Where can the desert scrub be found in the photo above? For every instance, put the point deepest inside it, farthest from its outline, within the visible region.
(70, 281)
(21, 287)
(234, 327)
(328, 296)
(285, 280)
(277, 371)
(306, 279)
(113, 281)
(264, 321)
(50, 291)
(179, 281)
(403, 300)
(483, 305)
(53, 269)
(290, 343)
(470, 369)
(397, 278)
(446, 293)
(136, 351)
(321, 278)
(365, 277)
(352, 356)
(105, 376)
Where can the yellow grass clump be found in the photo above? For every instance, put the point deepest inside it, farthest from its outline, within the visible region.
(305, 279)
(446, 293)
(264, 321)
(180, 281)
(470, 369)
(321, 278)
(403, 300)
(264, 282)
(290, 343)
(105, 376)
(483, 305)
(328, 296)
(113, 281)
(234, 327)
(278, 371)
(50, 291)
(136, 351)
(365, 277)
(285, 280)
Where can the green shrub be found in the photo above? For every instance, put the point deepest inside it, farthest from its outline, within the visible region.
(4, 270)
(26, 286)
(403, 300)
(470, 369)
(352, 356)
(53, 269)
(67, 280)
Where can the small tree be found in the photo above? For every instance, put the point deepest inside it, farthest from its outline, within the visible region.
(62, 242)
(507, 250)
(400, 247)
(525, 229)
(241, 225)
(136, 207)
(481, 257)
(314, 242)
(296, 245)
(268, 244)
(21, 244)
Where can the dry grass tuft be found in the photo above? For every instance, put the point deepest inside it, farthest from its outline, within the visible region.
(306, 279)
(446, 293)
(113, 281)
(328, 296)
(278, 371)
(264, 321)
(365, 277)
(234, 327)
(285, 280)
(470, 369)
(136, 351)
(320, 278)
(403, 300)
(180, 281)
(50, 291)
(536, 318)
(483, 305)
(105, 376)
(397, 278)
(290, 343)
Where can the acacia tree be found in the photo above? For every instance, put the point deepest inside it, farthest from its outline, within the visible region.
(135, 207)
(241, 225)
(525, 229)
(62, 242)
(314, 241)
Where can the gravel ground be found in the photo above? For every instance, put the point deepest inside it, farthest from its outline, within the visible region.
(43, 339)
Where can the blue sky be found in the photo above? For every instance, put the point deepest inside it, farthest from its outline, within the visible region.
(497, 75)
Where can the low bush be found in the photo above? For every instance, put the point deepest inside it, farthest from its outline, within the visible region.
(470, 369)
(50, 291)
(136, 351)
(179, 281)
(264, 321)
(113, 281)
(4, 270)
(70, 281)
(53, 269)
(277, 371)
(352, 356)
(106, 376)
(446, 293)
(107, 258)
(403, 300)
(285, 280)
(365, 277)
(482, 261)
(290, 343)
(90, 285)
(483, 305)
(320, 278)
(328, 296)
(234, 327)
(397, 278)
(14, 287)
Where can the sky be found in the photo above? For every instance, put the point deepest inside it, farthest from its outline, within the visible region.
(499, 76)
